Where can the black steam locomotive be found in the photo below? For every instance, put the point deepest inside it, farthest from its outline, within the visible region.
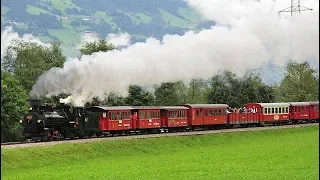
(49, 122)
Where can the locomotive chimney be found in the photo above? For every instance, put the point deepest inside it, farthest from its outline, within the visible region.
(35, 103)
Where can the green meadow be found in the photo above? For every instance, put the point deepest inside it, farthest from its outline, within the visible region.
(269, 154)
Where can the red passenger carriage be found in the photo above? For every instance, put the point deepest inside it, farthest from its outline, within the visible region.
(314, 111)
(207, 114)
(148, 117)
(299, 111)
(275, 113)
(113, 119)
(174, 117)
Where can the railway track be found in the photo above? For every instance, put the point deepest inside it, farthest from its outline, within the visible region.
(186, 133)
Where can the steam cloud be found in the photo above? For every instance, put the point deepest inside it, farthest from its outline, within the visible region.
(248, 37)
(117, 40)
(8, 35)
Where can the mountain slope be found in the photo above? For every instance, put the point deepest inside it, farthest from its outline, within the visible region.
(67, 20)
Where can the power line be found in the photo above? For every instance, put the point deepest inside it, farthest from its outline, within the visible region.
(294, 8)
(272, 6)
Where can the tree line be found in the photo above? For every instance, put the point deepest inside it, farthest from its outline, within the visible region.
(23, 62)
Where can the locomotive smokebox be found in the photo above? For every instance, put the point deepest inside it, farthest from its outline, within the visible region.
(35, 103)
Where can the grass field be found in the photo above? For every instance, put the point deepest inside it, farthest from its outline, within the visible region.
(271, 154)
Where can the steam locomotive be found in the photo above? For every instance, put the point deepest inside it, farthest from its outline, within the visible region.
(48, 122)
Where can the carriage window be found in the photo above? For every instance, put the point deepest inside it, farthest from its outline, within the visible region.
(219, 112)
(206, 112)
(211, 113)
(269, 110)
(283, 110)
(200, 112)
(266, 110)
(215, 112)
(276, 110)
(197, 113)
(171, 114)
(287, 109)
(302, 109)
(272, 110)
(280, 110)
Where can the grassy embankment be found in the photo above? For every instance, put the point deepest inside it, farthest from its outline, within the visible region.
(270, 154)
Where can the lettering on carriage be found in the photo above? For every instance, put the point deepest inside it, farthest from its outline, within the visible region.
(276, 117)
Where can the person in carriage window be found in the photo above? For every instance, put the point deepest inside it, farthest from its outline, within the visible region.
(134, 116)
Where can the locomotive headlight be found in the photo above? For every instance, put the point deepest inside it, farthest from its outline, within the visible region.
(39, 121)
(20, 121)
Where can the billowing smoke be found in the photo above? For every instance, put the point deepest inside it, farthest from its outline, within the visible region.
(117, 40)
(248, 37)
(122, 39)
(8, 35)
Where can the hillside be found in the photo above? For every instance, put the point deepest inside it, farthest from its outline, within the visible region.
(67, 20)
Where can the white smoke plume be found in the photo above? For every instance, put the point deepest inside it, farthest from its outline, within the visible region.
(117, 40)
(122, 39)
(248, 38)
(8, 35)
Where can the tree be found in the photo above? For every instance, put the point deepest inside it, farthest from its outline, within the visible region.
(139, 97)
(96, 46)
(13, 106)
(28, 60)
(114, 99)
(170, 93)
(220, 93)
(198, 91)
(236, 92)
(299, 84)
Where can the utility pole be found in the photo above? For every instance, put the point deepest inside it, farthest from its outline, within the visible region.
(295, 7)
